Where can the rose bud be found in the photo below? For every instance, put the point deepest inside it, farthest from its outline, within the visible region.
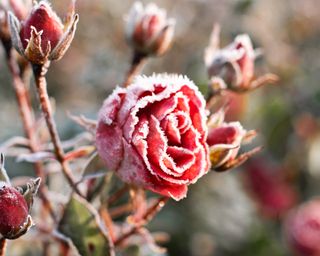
(153, 134)
(232, 67)
(15, 206)
(224, 140)
(148, 30)
(267, 184)
(302, 229)
(42, 36)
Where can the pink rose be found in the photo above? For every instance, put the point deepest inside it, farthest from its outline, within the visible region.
(148, 29)
(153, 134)
(302, 229)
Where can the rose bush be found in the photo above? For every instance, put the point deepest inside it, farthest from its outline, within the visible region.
(153, 134)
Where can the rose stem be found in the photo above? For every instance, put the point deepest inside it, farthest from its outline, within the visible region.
(27, 117)
(120, 210)
(150, 213)
(39, 72)
(114, 197)
(137, 63)
(105, 216)
(3, 244)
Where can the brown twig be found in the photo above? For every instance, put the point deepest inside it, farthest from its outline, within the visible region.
(39, 72)
(137, 63)
(149, 214)
(115, 212)
(3, 245)
(114, 197)
(28, 121)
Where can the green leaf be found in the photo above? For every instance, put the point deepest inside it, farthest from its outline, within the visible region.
(81, 223)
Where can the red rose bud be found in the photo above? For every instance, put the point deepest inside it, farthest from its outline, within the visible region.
(224, 140)
(14, 206)
(233, 66)
(42, 36)
(14, 210)
(302, 229)
(153, 134)
(148, 29)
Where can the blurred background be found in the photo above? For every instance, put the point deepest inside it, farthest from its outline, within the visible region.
(240, 212)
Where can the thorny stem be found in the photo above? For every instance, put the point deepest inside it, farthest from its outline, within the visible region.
(3, 245)
(137, 63)
(39, 72)
(149, 214)
(28, 121)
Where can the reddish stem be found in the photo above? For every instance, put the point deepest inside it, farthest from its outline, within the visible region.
(114, 197)
(149, 214)
(28, 122)
(39, 72)
(137, 63)
(3, 246)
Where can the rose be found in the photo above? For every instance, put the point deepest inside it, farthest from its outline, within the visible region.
(153, 134)
(148, 29)
(42, 36)
(302, 229)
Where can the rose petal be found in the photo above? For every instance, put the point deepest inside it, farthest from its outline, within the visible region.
(133, 171)
(109, 144)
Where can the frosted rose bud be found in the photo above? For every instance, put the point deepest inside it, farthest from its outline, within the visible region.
(302, 229)
(15, 206)
(233, 66)
(14, 211)
(153, 134)
(42, 36)
(148, 30)
(224, 140)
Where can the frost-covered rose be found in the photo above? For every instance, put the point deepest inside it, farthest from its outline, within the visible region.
(302, 229)
(153, 134)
